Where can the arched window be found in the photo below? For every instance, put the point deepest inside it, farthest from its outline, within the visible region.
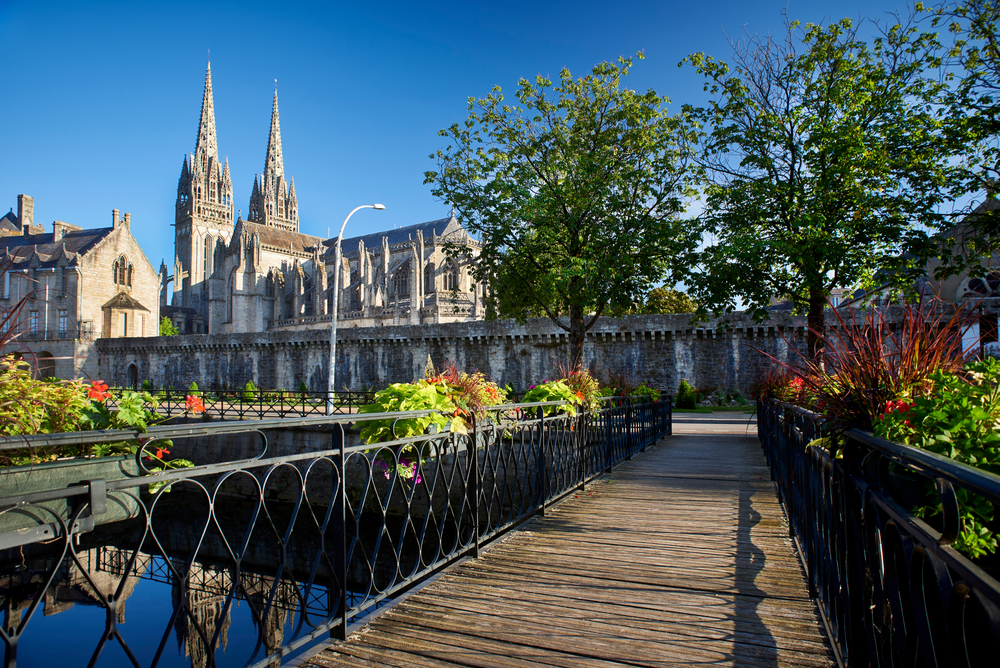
(208, 267)
(122, 271)
(269, 286)
(450, 277)
(429, 278)
(401, 281)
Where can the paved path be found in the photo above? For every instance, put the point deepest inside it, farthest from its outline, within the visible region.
(679, 557)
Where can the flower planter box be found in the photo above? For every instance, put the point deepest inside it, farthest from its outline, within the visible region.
(28, 523)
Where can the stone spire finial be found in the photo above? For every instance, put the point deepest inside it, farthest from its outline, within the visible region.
(207, 145)
(274, 165)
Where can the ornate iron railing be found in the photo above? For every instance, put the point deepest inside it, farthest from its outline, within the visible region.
(254, 404)
(294, 519)
(891, 589)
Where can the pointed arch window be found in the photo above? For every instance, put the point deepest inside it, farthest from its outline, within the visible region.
(208, 267)
(450, 277)
(122, 271)
(401, 281)
(429, 278)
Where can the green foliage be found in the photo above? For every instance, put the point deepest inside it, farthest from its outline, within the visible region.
(824, 161)
(456, 395)
(193, 389)
(30, 406)
(167, 327)
(687, 396)
(645, 391)
(575, 192)
(972, 64)
(957, 419)
(556, 390)
(668, 300)
(419, 396)
(303, 388)
(250, 392)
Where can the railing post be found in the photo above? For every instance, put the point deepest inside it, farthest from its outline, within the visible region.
(540, 464)
(339, 522)
(474, 484)
(608, 443)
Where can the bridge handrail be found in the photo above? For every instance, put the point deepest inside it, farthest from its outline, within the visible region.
(889, 584)
(454, 492)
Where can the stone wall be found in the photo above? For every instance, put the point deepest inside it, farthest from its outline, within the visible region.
(660, 350)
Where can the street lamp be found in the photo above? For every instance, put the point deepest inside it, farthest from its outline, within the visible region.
(335, 299)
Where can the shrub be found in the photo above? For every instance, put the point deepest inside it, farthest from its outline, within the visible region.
(556, 390)
(303, 388)
(687, 397)
(956, 418)
(193, 389)
(869, 363)
(250, 392)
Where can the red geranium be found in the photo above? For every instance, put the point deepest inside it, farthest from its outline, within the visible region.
(98, 391)
(194, 404)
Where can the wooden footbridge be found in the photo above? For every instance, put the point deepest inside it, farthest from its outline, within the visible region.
(681, 556)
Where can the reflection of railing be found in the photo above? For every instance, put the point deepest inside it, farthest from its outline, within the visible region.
(253, 404)
(890, 586)
(313, 540)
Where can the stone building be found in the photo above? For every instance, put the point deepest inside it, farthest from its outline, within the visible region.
(77, 285)
(236, 275)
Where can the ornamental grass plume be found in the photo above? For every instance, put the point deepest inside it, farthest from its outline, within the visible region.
(887, 355)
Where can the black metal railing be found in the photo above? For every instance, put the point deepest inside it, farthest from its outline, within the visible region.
(891, 589)
(293, 521)
(252, 404)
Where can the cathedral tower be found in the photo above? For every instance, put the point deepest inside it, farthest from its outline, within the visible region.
(204, 212)
(273, 200)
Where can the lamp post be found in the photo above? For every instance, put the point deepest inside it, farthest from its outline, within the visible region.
(331, 386)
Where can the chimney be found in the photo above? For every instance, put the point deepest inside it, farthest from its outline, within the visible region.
(58, 231)
(25, 212)
(128, 221)
(114, 217)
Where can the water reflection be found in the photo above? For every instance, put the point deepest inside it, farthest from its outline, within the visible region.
(124, 596)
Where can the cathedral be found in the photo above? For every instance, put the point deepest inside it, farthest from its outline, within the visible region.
(232, 275)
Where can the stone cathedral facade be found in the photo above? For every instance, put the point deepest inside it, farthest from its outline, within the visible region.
(234, 275)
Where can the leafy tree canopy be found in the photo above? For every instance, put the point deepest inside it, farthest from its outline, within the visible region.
(825, 163)
(167, 327)
(575, 192)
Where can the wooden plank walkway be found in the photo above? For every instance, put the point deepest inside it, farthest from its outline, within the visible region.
(679, 557)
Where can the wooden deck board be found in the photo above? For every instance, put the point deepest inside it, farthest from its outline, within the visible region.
(679, 557)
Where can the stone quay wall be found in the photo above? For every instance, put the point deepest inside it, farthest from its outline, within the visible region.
(660, 350)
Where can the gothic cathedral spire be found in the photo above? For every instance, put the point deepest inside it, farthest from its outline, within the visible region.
(206, 147)
(273, 201)
(274, 165)
(204, 210)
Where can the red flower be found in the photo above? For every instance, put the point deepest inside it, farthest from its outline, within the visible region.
(797, 382)
(98, 391)
(194, 404)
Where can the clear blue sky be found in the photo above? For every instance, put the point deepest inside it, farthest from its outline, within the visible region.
(102, 100)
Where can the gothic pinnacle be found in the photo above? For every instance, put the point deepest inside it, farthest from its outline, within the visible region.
(207, 146)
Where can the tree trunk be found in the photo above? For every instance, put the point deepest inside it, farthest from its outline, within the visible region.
(816, 324)
(577, 331)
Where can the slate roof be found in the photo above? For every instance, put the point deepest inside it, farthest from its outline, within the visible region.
(77, 241)
(397, 236)
(9, 222)
(125, 301)
(276, 237)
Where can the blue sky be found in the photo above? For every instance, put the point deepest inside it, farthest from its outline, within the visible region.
(101, 100)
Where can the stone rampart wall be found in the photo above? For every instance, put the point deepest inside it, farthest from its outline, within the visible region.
(660, 350)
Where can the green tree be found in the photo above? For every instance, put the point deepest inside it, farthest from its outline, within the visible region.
(575, 193)
(971, 67)
(167, 327)
(668, 300)
(825, 165)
